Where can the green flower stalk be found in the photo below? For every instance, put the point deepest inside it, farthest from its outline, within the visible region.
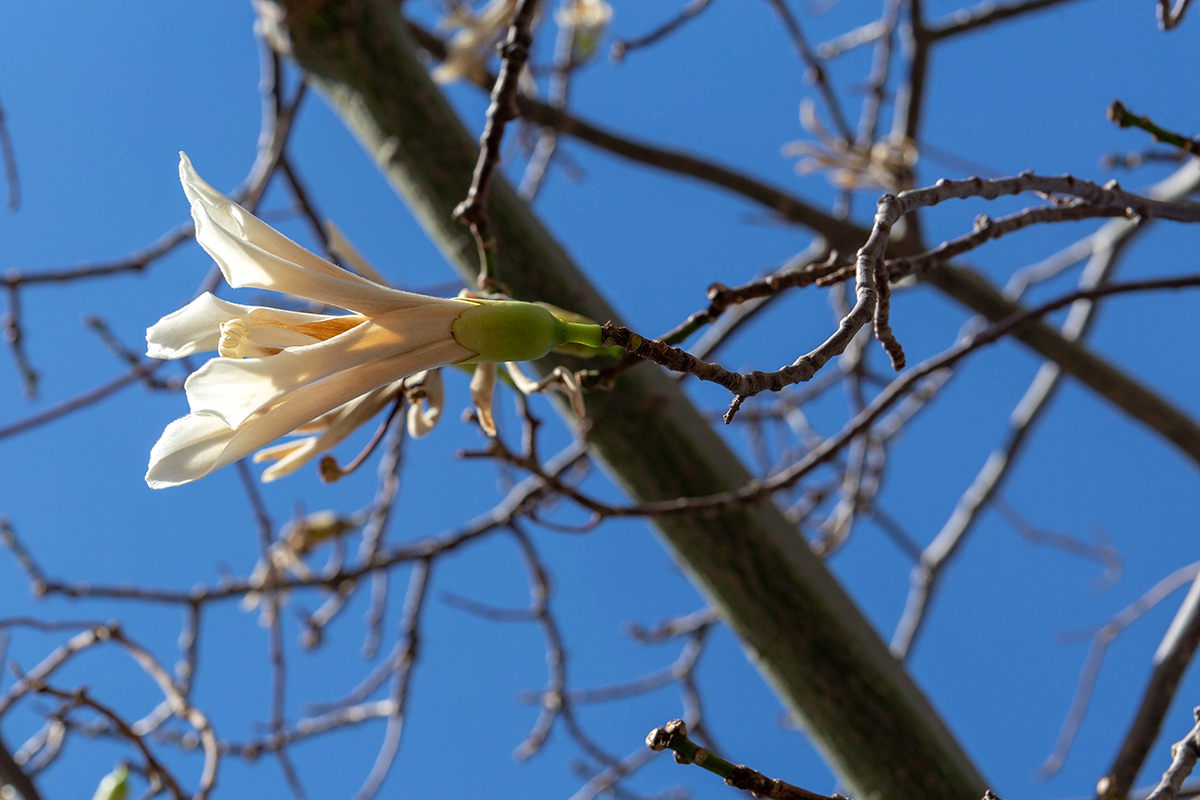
(508, 330)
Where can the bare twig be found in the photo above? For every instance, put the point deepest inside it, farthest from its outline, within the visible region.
(1126, 119)
(1169, 17)
(33, 573)
(9, 155)
(13, 775)
(816, 71)
(1100, 550)
(1184, 755)
(1101, 639)
(674, 736)
(897, 389)
(404, 660)
(473, 210)
(547, 143)
(1104, 247)
(137, 261)
(154, 768)
(851, 40)
(621, 47)
(372, 541)
(83, 400)
(16, 341)
(877, 82)
(985, 13)
(1171, 661)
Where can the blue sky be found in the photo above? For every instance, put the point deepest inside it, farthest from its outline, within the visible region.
(100, 99)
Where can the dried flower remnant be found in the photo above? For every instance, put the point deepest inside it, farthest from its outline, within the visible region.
(475, 41)
(884, 165)
(588, 21)
(285, 557)
(320, 375)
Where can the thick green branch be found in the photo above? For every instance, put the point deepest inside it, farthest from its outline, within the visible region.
(795, 621)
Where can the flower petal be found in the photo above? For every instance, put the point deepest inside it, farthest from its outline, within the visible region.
(196, 328)
(351, 418)
(187, 450)
(252, 253)
(483, 385)
(199, 444)
(420, 422)
(233, 389)
(244, 225)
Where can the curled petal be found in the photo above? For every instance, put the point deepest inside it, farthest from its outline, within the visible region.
(187, 450)
(290, 456)
(199, 444)
(421, 421)
(196, 328)
(251, 253)
(235, 220)
(561, 379)
(483, 385)
(232, 389)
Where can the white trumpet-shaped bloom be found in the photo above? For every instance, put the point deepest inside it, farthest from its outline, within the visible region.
(279, 372)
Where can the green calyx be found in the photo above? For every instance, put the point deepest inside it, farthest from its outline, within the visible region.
(509, 330)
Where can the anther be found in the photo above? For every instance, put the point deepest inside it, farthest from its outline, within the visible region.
(232, 333)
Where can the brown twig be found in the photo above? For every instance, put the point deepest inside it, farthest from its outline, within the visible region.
(83, 400)
(553, 696)
(1169, 17)
(621, 47)
(899, 388)
(870, 256)
(154, 769)
(1101, 639)
(559, 90)
(16, 341)
(473, 210)
(1184, 755)
(304, 200)
(13, 775)
(1136, 159)
(1127, 119)
(1099, 550)
(271, 601)
(1103, 247)
(985, 13)
(404, 659)
(674, 736)
(33, 573)
(9, 155)
(1171, 661)
(386, 496)
(816, 70)
(876, 87)
(137, 261)
(987, 229)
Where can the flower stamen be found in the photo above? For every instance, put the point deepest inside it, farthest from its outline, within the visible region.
(236, 342)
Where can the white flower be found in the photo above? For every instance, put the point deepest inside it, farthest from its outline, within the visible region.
(280, 372)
